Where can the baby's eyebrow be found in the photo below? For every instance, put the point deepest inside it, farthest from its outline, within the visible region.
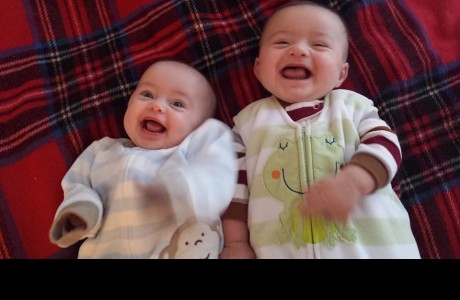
(180, 93)
(145, 84)
(322, 34)
(280, 32)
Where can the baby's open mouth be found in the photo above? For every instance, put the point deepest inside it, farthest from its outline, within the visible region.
(153, 126)
(293, 72)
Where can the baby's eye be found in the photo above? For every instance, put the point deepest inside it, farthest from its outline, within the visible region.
(177, 103)
(281, 42)
(320, 45)
(147, 95)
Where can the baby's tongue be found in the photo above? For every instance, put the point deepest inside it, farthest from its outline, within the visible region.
(295, 73)
(153, 126)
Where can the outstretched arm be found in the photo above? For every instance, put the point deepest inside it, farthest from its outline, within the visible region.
(236, 234)
(73, 224)
(80, 213)
(235, 227)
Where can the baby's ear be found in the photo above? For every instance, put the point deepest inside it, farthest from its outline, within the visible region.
(257, 68)
(343, 74)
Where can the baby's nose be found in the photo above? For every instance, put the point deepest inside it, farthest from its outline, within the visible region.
(157, 106)
(298, 50)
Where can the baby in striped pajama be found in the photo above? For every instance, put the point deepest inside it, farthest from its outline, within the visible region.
(315, 162)
(160, 193)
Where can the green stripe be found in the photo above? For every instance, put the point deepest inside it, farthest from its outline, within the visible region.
(370, 232)
(378, 232)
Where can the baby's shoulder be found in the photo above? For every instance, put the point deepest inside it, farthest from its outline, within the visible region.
(348, 98)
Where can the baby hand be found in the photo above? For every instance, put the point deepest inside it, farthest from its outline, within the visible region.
(334, 197)
(237, 250)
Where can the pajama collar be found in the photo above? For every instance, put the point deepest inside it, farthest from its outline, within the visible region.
(302, 110)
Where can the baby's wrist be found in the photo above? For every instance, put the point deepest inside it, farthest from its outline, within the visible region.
(359, 178)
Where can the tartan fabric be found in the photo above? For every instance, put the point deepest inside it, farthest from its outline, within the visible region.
(67, 69)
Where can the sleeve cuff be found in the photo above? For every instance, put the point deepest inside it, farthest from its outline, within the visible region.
(372, 165)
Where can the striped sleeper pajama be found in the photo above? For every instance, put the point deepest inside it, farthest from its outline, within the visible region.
(141, 203)
(282, 151)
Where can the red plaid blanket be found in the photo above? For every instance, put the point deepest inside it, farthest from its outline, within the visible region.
(67, 69)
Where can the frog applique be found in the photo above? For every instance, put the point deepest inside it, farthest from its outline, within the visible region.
(282, 179)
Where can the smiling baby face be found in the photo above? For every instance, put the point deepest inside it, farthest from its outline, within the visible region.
(170, 101)
(302, 53)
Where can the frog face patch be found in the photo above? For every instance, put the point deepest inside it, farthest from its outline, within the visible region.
(281, 172)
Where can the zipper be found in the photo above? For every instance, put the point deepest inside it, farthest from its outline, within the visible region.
(307, 178)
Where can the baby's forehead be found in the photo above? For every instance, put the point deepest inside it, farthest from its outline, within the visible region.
(172, 71)
(329, 21)
(292, 14)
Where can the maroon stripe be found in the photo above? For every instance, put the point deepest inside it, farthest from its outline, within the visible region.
(304, 112)
(389, 145)
(242, 177)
